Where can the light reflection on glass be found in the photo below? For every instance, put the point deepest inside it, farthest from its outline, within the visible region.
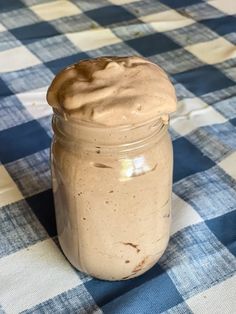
(133, 167)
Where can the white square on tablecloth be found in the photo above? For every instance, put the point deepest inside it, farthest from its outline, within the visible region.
(213, 51)
(35, 102)
(2, 28)
(9, 192)
(183, 214)
(193, 113)
(55, 10)
(93, 39)
(166, 21)
(219, 299)
(226, 6)
(121, 2)
(16, 59)
(33, 275)
(229, 165)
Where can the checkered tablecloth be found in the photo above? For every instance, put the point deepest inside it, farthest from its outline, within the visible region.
(194, 41)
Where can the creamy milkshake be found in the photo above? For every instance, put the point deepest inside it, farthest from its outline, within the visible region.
(112, 164)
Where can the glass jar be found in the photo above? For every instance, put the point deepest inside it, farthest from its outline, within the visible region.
(112, 193)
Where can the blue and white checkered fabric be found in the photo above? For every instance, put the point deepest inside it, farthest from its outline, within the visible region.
(194, 41)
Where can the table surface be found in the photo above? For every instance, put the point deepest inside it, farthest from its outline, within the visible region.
(194, 41)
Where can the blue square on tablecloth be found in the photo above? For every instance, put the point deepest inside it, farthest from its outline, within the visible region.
(110, 15)
(46, 123)
(18, 18)
(10, 5)
(74, 23)
(233, 121)
(12, 112)
(152, 44)
(167, 60)
(221, 25)
(224, 133)
(28, 79)
(196, 260)
(8, 41)
(200, 11)
(34, 32)
(180, 3)
(188, 159)
(137, 293)
(218, 95)
(112, 50)
(161, 289)
(211, 146)
(90, 5)
(31, 173)
(57, 65)
(231, 38)
(49, 49)
(224, 229)
(181, 91)
(227, 107)
(74, 301)
(4, 90)
(191, 34)
(22, 140)
(133, 31)
(213, 80)
(19, 228)
(143, 8)
(43, 207)
(227, 65)
(211, 193)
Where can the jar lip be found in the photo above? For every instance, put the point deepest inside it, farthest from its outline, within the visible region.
(124, 127)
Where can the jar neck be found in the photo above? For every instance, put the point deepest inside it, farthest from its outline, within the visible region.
(104, 138)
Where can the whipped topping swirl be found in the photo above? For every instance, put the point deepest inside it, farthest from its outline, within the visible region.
(112, 91)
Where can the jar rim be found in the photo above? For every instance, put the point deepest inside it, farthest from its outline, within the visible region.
(122, 138)
(123, 127)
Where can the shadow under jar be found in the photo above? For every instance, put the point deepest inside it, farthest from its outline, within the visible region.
(112, 193)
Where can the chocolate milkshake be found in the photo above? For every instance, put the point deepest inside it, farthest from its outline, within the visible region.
(112, 164)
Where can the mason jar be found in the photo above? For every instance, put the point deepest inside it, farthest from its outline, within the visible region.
(112, 193)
